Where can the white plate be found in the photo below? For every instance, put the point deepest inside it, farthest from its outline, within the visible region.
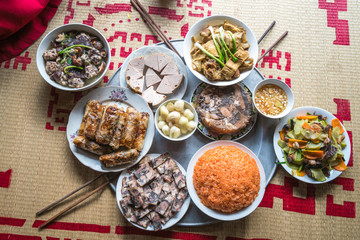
(216, 214)
(121, 96)
(176, 218)
(146, 51)
(278, 151)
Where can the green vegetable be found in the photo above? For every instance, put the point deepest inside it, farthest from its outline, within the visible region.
(235, 59)
(69, 61)
(298, 126)
(301, 167)
(77, 45)
(343, 144)
(233, 40)
(281, 143)
(197, 44)
(221, 57)
(223, 51)
(291, 134)
(318, 174)
(314, 146)
(280, 162)
(68, 67)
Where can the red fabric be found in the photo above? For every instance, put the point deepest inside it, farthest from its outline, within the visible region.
(22, 23)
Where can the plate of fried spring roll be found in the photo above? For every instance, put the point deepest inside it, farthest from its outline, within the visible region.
(110, 129)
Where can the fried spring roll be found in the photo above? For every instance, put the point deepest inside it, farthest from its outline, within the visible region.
(92, 121)
(140, 137)
(87, 145)
(107, 124)
(131, 128)
(90, 105)
(119, 158)
(115, 141)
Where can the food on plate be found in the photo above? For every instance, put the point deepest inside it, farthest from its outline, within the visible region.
(220, 52)
(153, 192)
(175, 119)
(271, 99)
(119, 158)
(154, 77)
(226, 179)
(116, 134)
(74, 58)
(312, 146)
(152, 97)
(224, 110)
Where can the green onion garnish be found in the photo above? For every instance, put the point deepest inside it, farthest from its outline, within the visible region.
(235, 59)
(66, 68)
(197, 44)
(78, 45)
(234, 42)
(221, 57)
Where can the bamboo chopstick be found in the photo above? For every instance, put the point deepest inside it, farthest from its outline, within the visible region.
(67, 195)
(273, 45)
(75, 203)
(139, 7)
(266, 32)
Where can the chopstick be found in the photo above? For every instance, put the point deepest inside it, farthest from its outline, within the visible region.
(266, 32)
(152, 24)
(273, 45)
(75, 203)
(66, 196)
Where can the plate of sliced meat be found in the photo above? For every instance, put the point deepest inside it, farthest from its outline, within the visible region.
(156, 73)
(153, 194)
(225, 113)
(110, 129)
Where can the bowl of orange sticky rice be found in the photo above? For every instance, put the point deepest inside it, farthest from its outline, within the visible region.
(226, 180)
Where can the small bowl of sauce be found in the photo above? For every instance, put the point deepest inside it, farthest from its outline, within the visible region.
(273, 98)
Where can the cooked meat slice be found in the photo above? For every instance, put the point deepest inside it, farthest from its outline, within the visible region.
(92, 121)
(169, 84)
(173, 189)
(75, 82)
(119, 158)
(140, 136)
(131, 128)
(107, 124)
(90, 105)
(179, 178)
(152, 97)
(180, 199)
(134, 79)
(151, 78)
(160, 159)
(152, 198)
(156, 187)
(164, 204)
(138, 63)
(163, 60)
(51, 67)
(137, 200)
(88, 145)
(162, 195)
(50, 55)
(96, 58)
(128, 210)
(170, 69)
(140, 213)
(155, 220)
(143, 222)
(152, 62)
(161, 169)
(119, 129)
(167, 187)
(145, 175)
(134, 189)
(143, 167)
(144, 160)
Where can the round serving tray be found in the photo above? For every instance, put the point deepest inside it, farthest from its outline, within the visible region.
(259, 140)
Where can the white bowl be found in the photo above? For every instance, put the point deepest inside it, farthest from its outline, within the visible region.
(45, 44)
(186, 105)
(216, 214)
(279, 154)
(283, 86)
(216, 20)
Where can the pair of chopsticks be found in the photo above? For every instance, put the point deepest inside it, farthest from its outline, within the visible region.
(146, 16)
(45, 209)
(274, 44)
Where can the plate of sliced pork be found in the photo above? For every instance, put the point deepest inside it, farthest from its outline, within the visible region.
(156, 73)
(110, 129)
(153, 194)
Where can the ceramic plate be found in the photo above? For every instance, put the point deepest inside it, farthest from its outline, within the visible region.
(146, 51)
(215, 214)
(302, 111)
(121, 96)
(214, 136)
(174, 219)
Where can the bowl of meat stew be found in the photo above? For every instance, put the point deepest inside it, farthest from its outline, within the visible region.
(73, 57)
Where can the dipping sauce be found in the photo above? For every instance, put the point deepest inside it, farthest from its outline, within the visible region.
(226, 179)
(271, 99)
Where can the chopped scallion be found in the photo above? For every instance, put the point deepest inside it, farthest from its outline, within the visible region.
(197, 44)
(235, 59)
(221, 57)
(233, 40)
(66, 68)
(77, 45)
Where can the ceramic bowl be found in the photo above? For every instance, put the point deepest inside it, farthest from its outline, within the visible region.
(216, 20)
(283, 86)
(45, 45)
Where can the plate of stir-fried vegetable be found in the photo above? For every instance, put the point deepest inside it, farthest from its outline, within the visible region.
(312, 145)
